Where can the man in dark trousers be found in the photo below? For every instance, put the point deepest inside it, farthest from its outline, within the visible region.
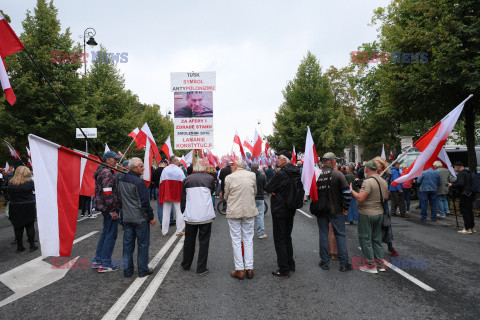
(463, 187)
(223, 174)
(334, 198)
(279, 187)
(259, 200)
(137, 218)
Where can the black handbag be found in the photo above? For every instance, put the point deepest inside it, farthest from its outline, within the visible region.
(387, 220)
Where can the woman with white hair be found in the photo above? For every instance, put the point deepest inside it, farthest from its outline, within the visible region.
(197, 208)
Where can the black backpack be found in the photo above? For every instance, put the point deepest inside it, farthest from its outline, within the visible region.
(324, 191)
(294, 197)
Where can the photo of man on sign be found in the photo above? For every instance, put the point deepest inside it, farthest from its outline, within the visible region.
(193, 104)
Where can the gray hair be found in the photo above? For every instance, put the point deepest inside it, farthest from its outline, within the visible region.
(437, 164)
(134, 162)
(240, 163)
(283, 157)
(199, 166)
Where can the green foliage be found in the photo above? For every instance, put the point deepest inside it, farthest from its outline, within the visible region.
(320, 101)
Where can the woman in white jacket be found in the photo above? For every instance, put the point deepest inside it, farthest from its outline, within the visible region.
(197, 208)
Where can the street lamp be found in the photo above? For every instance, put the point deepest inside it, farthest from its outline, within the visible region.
(89, 32)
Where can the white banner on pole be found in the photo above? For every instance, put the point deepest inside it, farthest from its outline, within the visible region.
(193, 81)
(90, 132)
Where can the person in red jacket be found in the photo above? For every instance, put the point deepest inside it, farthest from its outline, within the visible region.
(407, 188)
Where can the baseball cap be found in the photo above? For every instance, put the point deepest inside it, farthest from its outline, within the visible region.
(329, 156)
(285, 153)
(110, 154)
(371, 165)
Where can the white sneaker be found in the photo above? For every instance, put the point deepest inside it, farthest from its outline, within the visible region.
(368, 270)
(382, 269)
(263, 236)
(469, 231)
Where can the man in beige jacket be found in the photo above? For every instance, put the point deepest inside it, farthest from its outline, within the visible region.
(240, 192)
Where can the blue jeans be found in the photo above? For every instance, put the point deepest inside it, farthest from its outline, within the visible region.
(106, 243)
(352, 211)
(261, 213)
(141, 232)
(406, 194)
(338, 224)
(442, 203)
(426, 197)
(213, 201)
(160, 214)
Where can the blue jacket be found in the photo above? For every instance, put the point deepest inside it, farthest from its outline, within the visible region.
(429, 181)
(395, 175)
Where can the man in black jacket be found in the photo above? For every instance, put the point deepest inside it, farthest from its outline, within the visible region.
(259, 201)
(137, 218)
(279, 187)
(463, 187)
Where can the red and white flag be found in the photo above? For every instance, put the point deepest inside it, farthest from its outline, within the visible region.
(431, 144)
(294, 156)
(147, 163)
(7, 167)
(11, 150)
(57, 187)
(167, 148)
(383, 156)
(267, 147)
(28, 152)
(141, 140)
(187, 159)
(171, 182)
(9, 44)
(237, 140)
(134, 134)
(247, 143)
(391, 155)
(87, 169)
(29, 162)
(309, 177)
(257, 145)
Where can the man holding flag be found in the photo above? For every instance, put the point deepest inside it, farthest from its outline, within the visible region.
(108, 201)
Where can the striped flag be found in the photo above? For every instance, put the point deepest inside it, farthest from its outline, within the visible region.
(57, 187)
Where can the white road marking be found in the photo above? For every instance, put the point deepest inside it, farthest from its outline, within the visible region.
(409, 277)
(32, 276)
(84, 237)
(122, 302)
(152, 288)
(311, 217)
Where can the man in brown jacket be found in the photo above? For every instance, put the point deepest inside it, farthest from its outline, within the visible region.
(240, 191)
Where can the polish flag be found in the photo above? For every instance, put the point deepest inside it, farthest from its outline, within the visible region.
(237, 140)
(383, 156)
(171, 182)
(248, 144)
(106, 148)
(309, 177)
(29, 162)
(431, 144)
(134, 134)
(141, 140)
(120, 154)
(7, 167)
(391, 155)
(257, 145)
(187, 159)
(167, 148)
(147, 163)
(28, 152)
(11, 150)
(211, 159)
(57, 187)
(9, 44)
(267, 147)
(87, 169)
(294, 156)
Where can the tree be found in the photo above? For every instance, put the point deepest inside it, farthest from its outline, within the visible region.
(37, 109)
(446, 33)
(310, 101)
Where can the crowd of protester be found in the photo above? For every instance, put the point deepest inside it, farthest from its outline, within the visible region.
(348, 194)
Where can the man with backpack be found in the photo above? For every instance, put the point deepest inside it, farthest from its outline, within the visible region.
(464, 187)
(287, 196)
(334, 198)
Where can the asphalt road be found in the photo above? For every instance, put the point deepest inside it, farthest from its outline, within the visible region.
(433, 254)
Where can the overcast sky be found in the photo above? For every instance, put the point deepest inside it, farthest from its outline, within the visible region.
(255, 47)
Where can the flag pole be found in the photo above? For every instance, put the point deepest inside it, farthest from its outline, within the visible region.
(398, 158)
(126, 151)
(63, 103)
